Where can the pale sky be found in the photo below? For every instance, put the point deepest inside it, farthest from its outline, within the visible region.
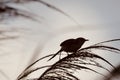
(98, 20)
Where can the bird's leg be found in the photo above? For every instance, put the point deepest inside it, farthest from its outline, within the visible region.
(68, 54)
(60, 56)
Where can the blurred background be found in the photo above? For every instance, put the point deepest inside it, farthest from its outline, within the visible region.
(30, 29)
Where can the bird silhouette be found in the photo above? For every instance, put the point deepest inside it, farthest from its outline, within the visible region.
(71, 45)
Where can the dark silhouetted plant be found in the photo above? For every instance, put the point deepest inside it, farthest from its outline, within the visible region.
(65, 68)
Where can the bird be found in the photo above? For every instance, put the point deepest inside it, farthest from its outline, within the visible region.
(70, 45)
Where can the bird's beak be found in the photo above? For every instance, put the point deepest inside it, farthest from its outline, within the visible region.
(87, 40)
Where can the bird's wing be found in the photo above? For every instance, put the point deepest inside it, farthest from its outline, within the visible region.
(68, 42)
(55, 54)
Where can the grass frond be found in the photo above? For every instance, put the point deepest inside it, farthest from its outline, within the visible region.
(65, 68)
(25, 74)
(112, 40)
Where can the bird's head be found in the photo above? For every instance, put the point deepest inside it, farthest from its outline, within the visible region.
(81, 39)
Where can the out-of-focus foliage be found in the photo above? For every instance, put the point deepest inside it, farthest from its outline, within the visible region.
(5, 34)
(7, 11)
(115, 74)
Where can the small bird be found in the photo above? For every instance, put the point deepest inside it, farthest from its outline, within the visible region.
(71, 45)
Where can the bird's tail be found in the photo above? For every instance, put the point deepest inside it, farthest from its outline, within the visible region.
(55, 54)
